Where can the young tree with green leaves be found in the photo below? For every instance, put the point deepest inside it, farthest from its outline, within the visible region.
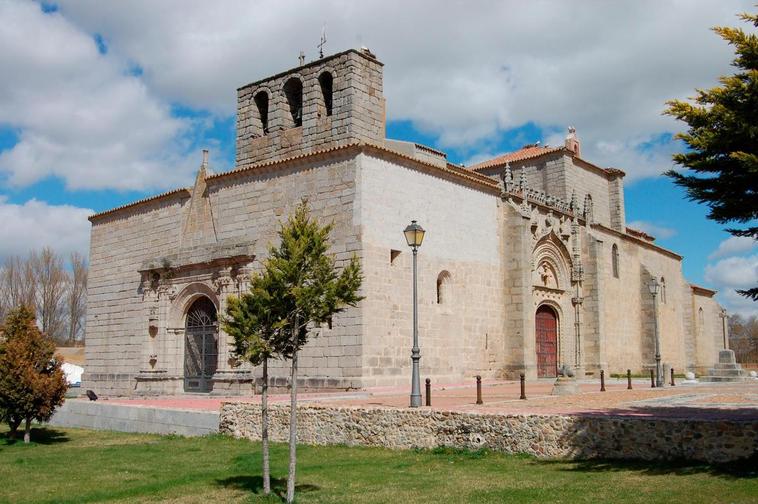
(308, 289)
(254, 320)
(722, 157)
(32, 384)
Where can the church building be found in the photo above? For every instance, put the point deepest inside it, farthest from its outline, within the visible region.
(527, 264)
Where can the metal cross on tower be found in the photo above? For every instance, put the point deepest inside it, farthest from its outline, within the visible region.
(322, 43)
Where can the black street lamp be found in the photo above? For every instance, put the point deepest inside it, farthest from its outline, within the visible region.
(414, 235)
(653, 287)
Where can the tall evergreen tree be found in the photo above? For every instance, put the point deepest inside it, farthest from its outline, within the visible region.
(32, 384)
(722, 157)
(255, 320)
(308, 289)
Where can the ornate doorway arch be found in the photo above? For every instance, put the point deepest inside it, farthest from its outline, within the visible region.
(200, 345)
(546, 333)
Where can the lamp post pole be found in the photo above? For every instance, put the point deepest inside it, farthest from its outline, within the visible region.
(654, 291)
(414, 235)
(415, 351)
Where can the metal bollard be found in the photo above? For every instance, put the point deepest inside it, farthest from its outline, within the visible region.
(672, 378)
(428, 392)
(602, 380)
(523, 387)
(652, 379)
(479, 390)
(629, 379)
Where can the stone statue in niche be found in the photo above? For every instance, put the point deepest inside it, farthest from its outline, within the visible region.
(547, 277)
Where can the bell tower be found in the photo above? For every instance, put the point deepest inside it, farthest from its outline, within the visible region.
(326, 103)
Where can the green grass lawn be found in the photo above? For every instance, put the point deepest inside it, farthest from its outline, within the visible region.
(72, 465)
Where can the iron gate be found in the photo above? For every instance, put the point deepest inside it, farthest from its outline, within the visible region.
(200, 346)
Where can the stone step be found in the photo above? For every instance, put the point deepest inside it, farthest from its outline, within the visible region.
(723, 379)
(727, 366)
(726, 372)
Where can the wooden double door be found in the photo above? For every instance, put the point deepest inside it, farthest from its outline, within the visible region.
(546, 331)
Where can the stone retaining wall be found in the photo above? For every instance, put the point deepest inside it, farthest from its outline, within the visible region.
(548, 436)
(101, 415)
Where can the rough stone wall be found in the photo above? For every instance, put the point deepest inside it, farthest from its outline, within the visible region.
(547, 174)
(460, 336)
(548, 436)
(583, 181)
(518, 319)
(628, 324)
(116, 320)
(358, 110)
(618, 212)
(709, 331)
(248, 206)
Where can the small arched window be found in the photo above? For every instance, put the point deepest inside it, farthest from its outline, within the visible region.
(443, 287)
(293, 91)
(615, 260)
(663, 290)
(261, 102)
(326, 81)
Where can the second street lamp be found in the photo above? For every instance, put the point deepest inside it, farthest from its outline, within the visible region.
(654, 286)
(414, 235)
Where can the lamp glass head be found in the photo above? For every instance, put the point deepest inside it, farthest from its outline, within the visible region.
(653, 286)
(414, 234)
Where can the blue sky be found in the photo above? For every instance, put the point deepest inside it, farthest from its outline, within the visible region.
(113, 102)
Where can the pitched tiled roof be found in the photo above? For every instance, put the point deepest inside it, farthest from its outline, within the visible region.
(140, 202)
(535, 151)
(698, 289)
(527, 152)
(639, 234)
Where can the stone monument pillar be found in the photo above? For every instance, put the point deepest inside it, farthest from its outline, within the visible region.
(726, 370)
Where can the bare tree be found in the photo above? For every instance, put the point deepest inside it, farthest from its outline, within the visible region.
(18, 286)
(76, 297)
(52, 283)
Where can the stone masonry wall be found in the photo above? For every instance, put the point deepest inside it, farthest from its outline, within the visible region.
(546, 436)
(628, 315)
(247, 205)
(116, 322)
(461, 333)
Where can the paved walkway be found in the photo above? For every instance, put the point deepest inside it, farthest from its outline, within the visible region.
(711, 400)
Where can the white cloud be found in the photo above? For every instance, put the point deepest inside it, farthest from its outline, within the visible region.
(80, 116)
(735, 272)
(730, 274)
(733, 245)
(734, 303)
(36, 224)
(464, 72)
(660, 232)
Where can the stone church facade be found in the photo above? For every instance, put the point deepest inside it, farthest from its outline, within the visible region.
(527, 262)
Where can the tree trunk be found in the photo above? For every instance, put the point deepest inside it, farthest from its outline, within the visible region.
(293, 426)
(28, 430)
(264, 430)
(13, 423)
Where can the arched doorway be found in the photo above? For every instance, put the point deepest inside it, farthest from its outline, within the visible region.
(200, 346)
(546, 331)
